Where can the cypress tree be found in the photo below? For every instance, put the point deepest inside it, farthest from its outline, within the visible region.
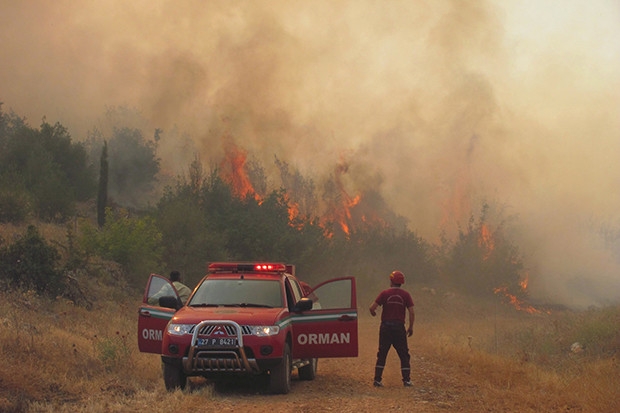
(102, 194)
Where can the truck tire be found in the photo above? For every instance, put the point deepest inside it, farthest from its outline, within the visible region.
(280, 376)
(308, 372)
(174, 377)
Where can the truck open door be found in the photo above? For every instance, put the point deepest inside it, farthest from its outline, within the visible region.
(155, 312)
(330, 328)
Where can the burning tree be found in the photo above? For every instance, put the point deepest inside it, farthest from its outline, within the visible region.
(300, 191)
(222, 216)
(482, 260)
(245, 178)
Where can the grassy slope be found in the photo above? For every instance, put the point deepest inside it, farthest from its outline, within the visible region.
(60, 357)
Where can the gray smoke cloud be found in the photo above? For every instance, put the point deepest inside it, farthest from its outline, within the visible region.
(436, 105)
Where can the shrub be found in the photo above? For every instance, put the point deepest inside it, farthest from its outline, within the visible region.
(30, 263)
(135, 243)
(13, 206)
(114, 352)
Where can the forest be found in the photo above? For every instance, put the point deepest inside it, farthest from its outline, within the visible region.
(110, 194)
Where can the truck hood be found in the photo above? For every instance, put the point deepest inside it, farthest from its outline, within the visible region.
(242, 316)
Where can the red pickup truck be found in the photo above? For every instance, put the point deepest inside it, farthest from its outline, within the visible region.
(248, 319)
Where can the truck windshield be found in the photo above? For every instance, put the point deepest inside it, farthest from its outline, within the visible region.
(250, 293)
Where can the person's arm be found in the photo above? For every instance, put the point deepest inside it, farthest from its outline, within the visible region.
(164, 290)
(411, 321)
(373, 308)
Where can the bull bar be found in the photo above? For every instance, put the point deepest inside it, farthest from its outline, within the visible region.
(202, 359)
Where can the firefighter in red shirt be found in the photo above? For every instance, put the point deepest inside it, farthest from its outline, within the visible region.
(395, 302)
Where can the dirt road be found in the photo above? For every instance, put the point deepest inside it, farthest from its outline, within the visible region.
(345, 385)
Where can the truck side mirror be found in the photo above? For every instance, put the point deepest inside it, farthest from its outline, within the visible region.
(305, 304)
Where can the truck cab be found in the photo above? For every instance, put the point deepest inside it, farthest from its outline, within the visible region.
(248, 318)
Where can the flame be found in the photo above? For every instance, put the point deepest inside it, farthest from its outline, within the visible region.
(486, 241)
(341, 206)
(293, 210)
(234, 173)
(341, 215)
(515, 301)
(293, 213)
(347, 212)
(346, 221)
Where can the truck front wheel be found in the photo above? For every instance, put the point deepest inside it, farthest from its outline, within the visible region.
(280, 376)
(308, 372)
(174, 377)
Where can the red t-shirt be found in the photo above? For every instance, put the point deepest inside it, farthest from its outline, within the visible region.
(394, 302)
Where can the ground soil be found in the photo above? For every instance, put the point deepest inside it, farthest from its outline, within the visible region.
(345, 385)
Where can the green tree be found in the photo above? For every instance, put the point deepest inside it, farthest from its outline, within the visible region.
(133, 167)
(102, 193)
(71, 159)
(189, 239)
(14, 198)
(42, 170)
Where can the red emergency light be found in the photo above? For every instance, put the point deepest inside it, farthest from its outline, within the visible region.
(269, 267)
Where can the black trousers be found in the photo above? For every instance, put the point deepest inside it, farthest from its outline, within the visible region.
(393, 334)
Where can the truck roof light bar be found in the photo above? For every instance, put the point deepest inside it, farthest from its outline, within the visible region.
(246, 267)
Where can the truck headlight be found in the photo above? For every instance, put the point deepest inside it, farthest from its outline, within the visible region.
(179, 329)
(263, 331)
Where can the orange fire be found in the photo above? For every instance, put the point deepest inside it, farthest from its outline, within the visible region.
(345, 216)
(293, 213)
(486, 241)
(344, 210)
(340, 208)
(234, 173)
(516, 302)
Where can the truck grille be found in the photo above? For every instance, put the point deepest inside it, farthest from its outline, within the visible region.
(230, 330)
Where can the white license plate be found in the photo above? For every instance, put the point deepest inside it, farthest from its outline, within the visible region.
(216, 342)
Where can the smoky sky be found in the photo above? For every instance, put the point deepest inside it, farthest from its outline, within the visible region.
(436, 105)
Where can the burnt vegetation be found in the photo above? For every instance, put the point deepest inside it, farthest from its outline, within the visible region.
(227, 212)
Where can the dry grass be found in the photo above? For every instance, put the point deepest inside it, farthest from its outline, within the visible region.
(526, 360)
(57, 357)
(54, 353)
(51, 232)
(60, 358)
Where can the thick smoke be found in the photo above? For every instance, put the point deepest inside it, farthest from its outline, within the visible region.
(436, 105)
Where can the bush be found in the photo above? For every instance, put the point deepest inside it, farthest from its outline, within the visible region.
(30, 263)
(114, 352)
(13, 206)
(134, 243)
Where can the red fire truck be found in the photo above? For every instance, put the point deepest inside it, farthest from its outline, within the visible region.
(248, 319)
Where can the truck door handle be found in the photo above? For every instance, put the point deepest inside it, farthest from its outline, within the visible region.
(145, 313)
(346, 317)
